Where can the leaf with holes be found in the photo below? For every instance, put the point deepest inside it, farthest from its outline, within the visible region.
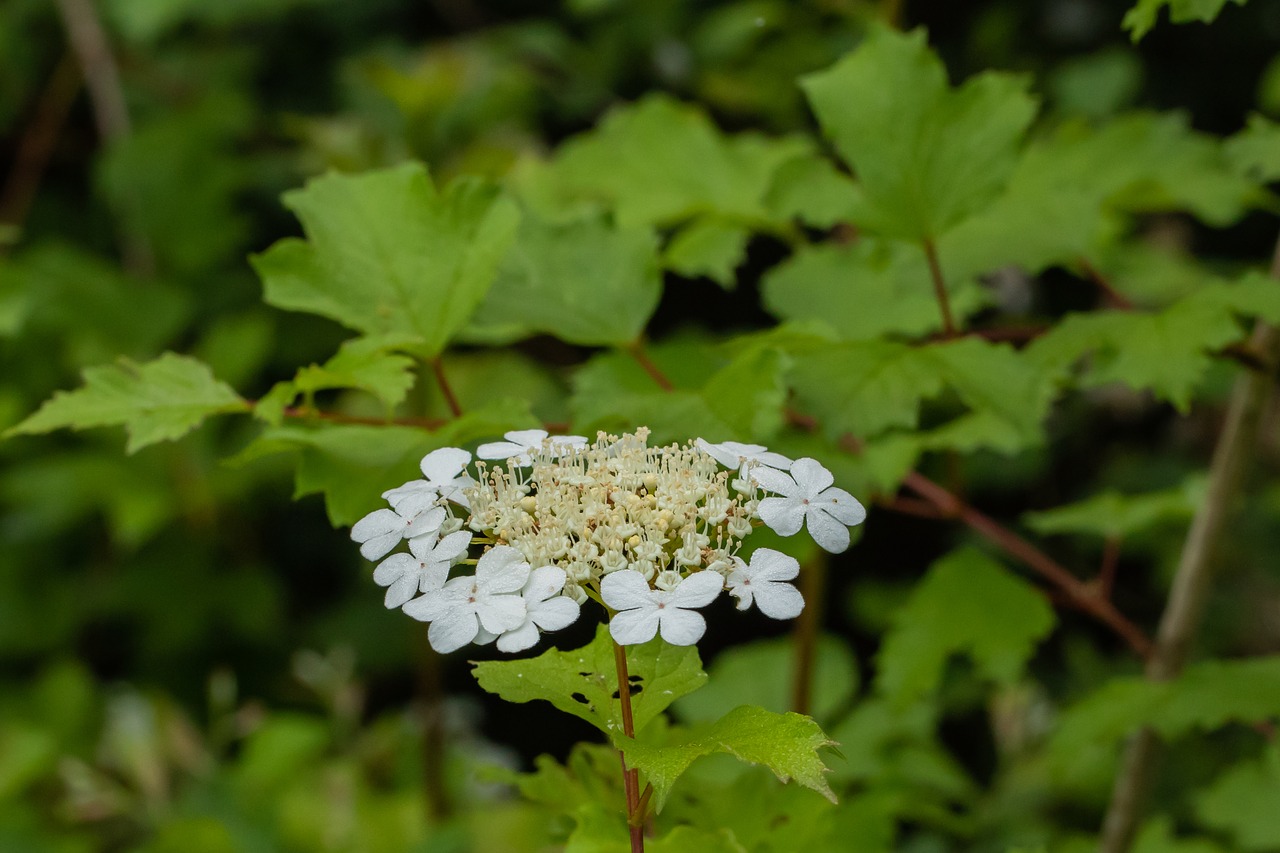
(584, 682)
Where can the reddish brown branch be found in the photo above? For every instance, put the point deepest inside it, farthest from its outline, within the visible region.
(1110, 295)
(637, 351)
(1106, 581)
(939, 288)
(437, 368)
(630, 776)
(35, 147)
(1076, 591)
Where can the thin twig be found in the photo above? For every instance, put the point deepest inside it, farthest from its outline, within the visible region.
(35, 147)
(1110, 295)
(630, 776)
(939, 288)
(1191, 582)
(813, 587)
(1110, 562)
(1076, 591)
(110, 112)
(452, 401)
(637, 351)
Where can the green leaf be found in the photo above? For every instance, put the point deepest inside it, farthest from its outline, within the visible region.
(161, 400)
(811, 189)
(761, 673)
(585, 282)
(389, 254)
(886, 745)
(787, 744)
(1241, 802)
(969, 604)
(1142, 17)
(584, 682)
(364, 363)
(869, 387)
(1205, 696)
(864, 290)
(708, 247)
(1114, 515)
(740, 397)
(351, 464)
(1157, 836)
(949, 152)
(864, 388)
(1067, 194)
(685, 838)
(659, 162)
(1255, 151)
(1165, 352)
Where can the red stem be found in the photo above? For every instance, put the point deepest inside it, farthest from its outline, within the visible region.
(452, 401)
(939, 288)
(637, 351)
(630, 776)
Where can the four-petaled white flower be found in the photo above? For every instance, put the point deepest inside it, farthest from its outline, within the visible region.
(545, 609)
(490, 599)
(765, 581)
(425, 570)
(807, 497)
(381, 530)
(734, 454)
(445, 478)
(520, 443)
(643, 612)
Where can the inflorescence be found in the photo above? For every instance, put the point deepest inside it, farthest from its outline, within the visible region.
(651, 533)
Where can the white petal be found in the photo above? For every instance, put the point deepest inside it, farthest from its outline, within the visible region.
(426, 522)
(376, 523)
(632, 627)
(393, 568)
(831, 535)
(810, 476)
(842, 506)
(554, 613)
(501, 613)
(524, 637)
(452, 596)
(450, 547)
(543, 583)
(777, 482)
(770, 565)
(741, 588)
(785, 516)
(483, 637)
(499, 450)
(682, 627)
(453, 630)
(442, 465)
(779, 600)
(380, 546)
(401, 590)
(401, 493)
(698, 590)
(502, 569)
(528, 439)
(626, 590)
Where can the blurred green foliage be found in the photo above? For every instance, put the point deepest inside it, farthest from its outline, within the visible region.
(528, 193)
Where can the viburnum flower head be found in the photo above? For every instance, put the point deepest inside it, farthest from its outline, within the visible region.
(652, 532)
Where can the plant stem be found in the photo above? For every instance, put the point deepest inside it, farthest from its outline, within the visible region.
(813, 583)
(637, 351)
(630, 777)
(1113, 297)
(36, 144)
(110, 112)
(939, 288)
(437, 368)
(1191, 582)
(1076, 591)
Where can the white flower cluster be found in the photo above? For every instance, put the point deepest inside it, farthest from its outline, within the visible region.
(652, 533)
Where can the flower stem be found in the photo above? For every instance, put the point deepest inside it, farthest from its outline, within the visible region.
(431, 696)
(630, 777)
(939, 288)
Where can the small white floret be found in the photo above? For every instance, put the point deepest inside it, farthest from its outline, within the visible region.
(644, 612)
(765, 581)
(523, 442)
(381, 530)
(806, 497)
(423, 570)
(489, 600)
